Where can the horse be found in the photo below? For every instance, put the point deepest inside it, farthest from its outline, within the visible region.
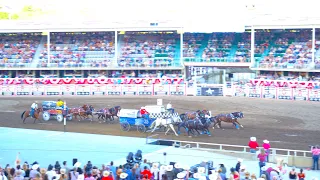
(104, 114)
(114, 111)
(88, 109)
(166, 122)
(76, 112)
(36, 115)
(229, 118)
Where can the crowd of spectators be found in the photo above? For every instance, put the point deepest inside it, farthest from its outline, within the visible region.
(94, 49)
(18, 50)
(219, 46)
(148, 50)
(191, 44)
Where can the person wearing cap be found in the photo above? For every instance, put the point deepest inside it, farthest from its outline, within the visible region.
(315, 156)
(146, 172)
(34, 107)
(144, 113)
(266, 146)
(238, 165)
(169, 108)
(253, 145)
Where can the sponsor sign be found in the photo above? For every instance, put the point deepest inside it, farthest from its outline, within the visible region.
(160, 89)
(68, 89)
(23, 90)
(83, 89)
(98, 89)
(145, 89)
(314, 95)
(300, 94)
(38, 89)
(114, 89)
(7, 90)
(208, 91)
(284, 93)
(129, 89)
(53, 89)
(240, 90)
(269, 92)
(255, 92)
(177, 89)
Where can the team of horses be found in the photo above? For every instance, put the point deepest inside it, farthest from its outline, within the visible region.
(84, 112)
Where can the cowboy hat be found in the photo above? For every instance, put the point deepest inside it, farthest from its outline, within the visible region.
(162, 168)
(35, 166)
(253, 139)
(260, 179)
(264, 168)
(77, 164)
(202, 178)
(240, 160)
(266, 141)
(123, 175)
(43, 170)
(213, 176)
(94, 171)
(177, 166)
(196, 175)
(62, 171)
(169, 168)
(201, 170)
(243, 167)
(106, 173)
(181, 175)
(155, 165)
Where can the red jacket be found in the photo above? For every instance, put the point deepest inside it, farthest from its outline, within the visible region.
(143, 111)
(253, 144)
(146, 172)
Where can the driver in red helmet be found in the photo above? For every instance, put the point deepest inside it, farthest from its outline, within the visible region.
(144, 113)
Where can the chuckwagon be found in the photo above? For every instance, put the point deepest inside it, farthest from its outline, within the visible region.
(50, 109)
(132, 117)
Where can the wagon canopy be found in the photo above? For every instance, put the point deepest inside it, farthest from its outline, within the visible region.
(49, 105)
(129, 113)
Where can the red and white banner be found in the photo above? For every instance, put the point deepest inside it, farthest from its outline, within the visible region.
(160, 89)
(177, 89)
(68, 89)
(145, 89)
(240, 90)
(98, 89)
(269, 92)
(114, 89)
(129, 89)
(300, 94)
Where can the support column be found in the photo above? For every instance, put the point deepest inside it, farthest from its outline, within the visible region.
(48, 48)
(181, 46)
(252, 47)
(115, 61)
(313, 45)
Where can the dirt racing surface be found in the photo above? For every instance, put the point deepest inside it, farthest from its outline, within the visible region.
(286, 124)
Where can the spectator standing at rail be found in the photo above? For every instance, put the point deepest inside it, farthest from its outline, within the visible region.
(266, 146)
(262, 156)
(315, 156)
(253, 145)
(293, 174)
(301, 175)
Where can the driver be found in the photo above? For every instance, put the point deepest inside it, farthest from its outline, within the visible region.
(34, 107)
(169, 108)
(144, 113)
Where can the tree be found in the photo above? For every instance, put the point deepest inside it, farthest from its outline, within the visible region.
(4, 15)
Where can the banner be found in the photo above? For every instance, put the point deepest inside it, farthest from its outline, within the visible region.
(285, 93)
(314, 95)
(300, 94)
(269, 92)
(38, 89)
(7, 90)
(205, 91)
(114, 89)
(53, 90)
(177, 89)
(145, 89)
(160, 89)
(255, 92)
(68, 89)
(240, 90)
(129, 89)
(83, 89)
(98, 89)
(23, 90)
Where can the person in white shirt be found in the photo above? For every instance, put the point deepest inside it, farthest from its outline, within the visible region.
(51, 173)
(169, 108)
(34, 107)
(2, 176)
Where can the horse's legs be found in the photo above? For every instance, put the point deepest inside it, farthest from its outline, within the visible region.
(24, 119)
(238, 123)
(34, 120)
(172, 128)
(168, 129)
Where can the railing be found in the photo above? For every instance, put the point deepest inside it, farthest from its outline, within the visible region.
(289, 66)
(216, 60)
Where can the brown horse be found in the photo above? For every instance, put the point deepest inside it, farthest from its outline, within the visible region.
(229, 118)
(36, 115)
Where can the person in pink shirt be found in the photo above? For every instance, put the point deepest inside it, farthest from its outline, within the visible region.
(266, 147)
(315, 156)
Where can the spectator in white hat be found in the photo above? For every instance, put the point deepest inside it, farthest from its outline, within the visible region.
(253, 145)
(266, 146)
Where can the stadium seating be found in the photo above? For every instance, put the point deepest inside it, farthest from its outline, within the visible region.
(192, 45)
(18, 50)
(218, 47)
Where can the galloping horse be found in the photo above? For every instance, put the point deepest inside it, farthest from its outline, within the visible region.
(166, 122)
(104, 114)
(229, 118)
(114, 111)
(88, 109)
(36, 115)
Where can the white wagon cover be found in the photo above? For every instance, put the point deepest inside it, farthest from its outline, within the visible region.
(129, 113)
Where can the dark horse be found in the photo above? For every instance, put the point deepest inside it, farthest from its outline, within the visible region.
(229, 118)
(114, 111)
(104, 114)
(200, 123)
(36, 115)
(88, 109)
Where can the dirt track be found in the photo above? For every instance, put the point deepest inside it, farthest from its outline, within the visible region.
(286, 124)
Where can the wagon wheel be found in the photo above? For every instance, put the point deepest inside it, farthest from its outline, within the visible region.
(69, 117)
(46, 116)
(125, 126)
(141, 128)
(59, 117)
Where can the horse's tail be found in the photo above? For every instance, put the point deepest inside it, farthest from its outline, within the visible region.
(23, 114)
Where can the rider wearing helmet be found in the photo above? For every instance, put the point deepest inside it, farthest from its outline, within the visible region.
(34, 107)
(144, 113)
(169, 108)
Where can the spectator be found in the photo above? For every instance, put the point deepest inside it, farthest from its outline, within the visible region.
(222, 175)
(169, 172)
(264, 172)
(74, 174)
(43, 172)
(18, 175)
(301, 175)
(112, 169)
(63, 175)
(275, 173)
(144, 164)
(266, 147)
(26, 169)
(81, 175)
(64, 166)
(146, 172)
(292, 174)
(262, 156)
(238, 165)
(106, 175)
(57, 166)
(119, 171)
(123, 176)
(246, 176)
(223, 169)
(315, 156)
(253, 176)
(50, 172)
(242, 172)
(253, 145)
(234, 174)
(34, 171)
(155, 171)
(89, 176)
